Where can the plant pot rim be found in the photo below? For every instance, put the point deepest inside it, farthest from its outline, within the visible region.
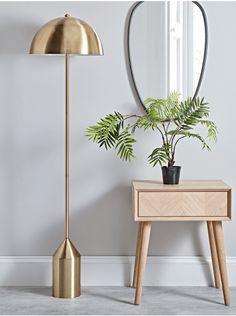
(171, 167)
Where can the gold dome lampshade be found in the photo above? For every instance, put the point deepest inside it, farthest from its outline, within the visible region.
(66, 35)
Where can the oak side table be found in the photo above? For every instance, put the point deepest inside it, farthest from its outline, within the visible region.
(191, 200)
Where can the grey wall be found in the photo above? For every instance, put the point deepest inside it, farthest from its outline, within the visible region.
(32, 135)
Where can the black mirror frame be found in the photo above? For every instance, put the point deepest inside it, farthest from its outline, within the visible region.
(128, 58)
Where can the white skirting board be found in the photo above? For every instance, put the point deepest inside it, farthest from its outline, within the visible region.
(114, 270)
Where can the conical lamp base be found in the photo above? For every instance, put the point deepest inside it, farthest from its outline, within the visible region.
(66, 271)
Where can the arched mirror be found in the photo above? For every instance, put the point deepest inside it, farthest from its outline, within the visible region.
(166, 48)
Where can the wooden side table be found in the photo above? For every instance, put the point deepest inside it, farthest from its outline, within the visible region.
(198, 200)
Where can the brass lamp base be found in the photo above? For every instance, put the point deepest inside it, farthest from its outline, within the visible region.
(66, 271)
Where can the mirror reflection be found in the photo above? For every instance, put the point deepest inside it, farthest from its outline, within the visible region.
(167, 41)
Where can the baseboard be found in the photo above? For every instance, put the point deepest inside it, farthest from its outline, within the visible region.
(114, 270)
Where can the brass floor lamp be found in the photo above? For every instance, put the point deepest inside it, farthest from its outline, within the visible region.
(66, 35)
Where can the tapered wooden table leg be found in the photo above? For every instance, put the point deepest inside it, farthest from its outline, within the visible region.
(214, 257)
(145, 236)
(137, 255)
(222, 261)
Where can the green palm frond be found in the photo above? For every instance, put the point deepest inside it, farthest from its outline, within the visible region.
(196, 136)
(211, 129)
(173, 99)
(149, 121)
(166, 108)
(109, 132)
(106, 131)
(159, 155)
(124, 145)
(171, 105)
(189, 112)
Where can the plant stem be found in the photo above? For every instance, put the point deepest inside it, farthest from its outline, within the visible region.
(162, 135)
(165, 132)
(126, 117)
(169, 148)
(174, 147)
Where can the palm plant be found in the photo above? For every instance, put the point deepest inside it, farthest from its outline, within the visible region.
(175, 120)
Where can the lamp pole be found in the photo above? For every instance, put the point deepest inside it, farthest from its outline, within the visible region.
(67, 146)
(66, 259)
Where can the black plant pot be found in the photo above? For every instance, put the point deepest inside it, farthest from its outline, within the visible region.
(171, 175)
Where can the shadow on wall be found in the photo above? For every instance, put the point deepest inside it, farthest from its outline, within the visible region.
(16, 36)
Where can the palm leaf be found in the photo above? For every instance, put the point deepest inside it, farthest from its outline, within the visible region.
(106, 131)
(159, 155)
(190, 112)
(211, 129)
(124, 145)
(196, 136)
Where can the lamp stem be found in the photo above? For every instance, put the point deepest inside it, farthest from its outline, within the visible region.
(67, 136)
(66, 259)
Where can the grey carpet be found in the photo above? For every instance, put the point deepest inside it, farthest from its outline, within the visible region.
(117, 301)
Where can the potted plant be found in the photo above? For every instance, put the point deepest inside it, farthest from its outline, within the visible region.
(173, 119)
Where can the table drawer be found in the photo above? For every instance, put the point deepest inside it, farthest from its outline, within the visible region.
(182, 204)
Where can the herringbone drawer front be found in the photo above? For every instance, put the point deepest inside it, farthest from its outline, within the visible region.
(182, 204)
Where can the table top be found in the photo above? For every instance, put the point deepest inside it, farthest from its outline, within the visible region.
(184, 185)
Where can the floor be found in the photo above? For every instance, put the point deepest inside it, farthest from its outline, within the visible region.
(117, 301)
